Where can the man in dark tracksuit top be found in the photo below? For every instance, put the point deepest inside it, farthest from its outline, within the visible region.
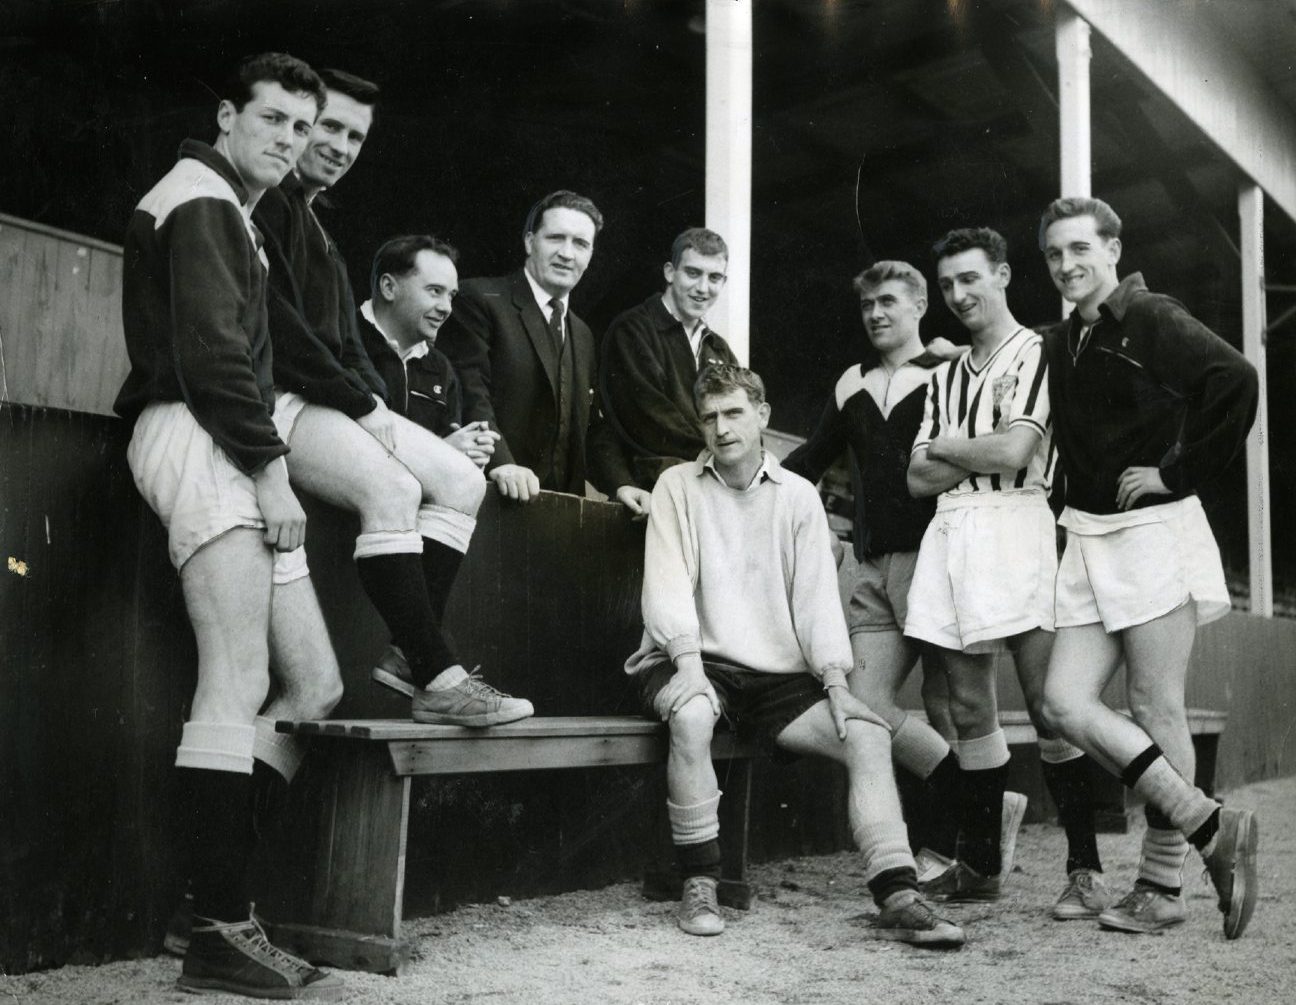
(416, 496)
(1148, 405)
(876, 414)
(207, 456)
(649, 361)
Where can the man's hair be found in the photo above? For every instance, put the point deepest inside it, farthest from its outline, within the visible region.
(366, 92)
(396, 257)
(722, 378)
(562, 199)
(1105, 219)
(879, 272)
(704, 242)
(968, 239)
(275, 67)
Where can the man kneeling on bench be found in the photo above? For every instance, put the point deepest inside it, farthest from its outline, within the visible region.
(742, 619)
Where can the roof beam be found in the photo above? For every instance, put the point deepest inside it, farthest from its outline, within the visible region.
(1213, 84)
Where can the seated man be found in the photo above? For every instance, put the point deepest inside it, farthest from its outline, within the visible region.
(416, 496)
(741, 618)
(413, 281)
(649, 359)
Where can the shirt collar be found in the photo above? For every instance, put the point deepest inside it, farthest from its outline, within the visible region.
(1117, 303)
(542, 298)
(417, 351)
(769, 468)
(699, 326)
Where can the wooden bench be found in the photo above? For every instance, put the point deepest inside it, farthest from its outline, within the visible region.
(352, 915)
(353, 912)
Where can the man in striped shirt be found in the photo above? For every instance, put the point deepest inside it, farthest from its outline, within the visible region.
(984, 579)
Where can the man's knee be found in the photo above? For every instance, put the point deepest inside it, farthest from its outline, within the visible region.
(464, 490)
(1156, 705)
(691, 727)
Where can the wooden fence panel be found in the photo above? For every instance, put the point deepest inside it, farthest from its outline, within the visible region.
(61, 342)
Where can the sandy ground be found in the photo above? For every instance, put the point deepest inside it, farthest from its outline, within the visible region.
(807, 940)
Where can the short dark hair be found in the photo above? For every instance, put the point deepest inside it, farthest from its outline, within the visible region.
(276, 67)
(969, 238)
(562, 199)
(364, 91)
(722, 378)
(396, 257)
(1107, 223)
(701, 240)
(879, 272)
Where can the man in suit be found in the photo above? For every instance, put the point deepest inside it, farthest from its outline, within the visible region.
(525, 360)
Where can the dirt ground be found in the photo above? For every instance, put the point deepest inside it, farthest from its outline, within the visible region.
(807, 939)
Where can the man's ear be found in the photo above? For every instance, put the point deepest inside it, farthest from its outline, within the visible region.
(1004, 271)
(763, 410)
(225, 113)
(387, 287)
(1114, 248)
(920, 305)
(668, 270)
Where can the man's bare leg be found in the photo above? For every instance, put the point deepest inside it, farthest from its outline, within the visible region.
(1067, 774)
(226, 586)
(983, 758)
(883, 661)
(1084, 659)
(692, 804)
(876, 820)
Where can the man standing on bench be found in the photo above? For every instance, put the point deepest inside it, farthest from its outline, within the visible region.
(416, 495)
(1148, 405)
(984, 578)
(742, 619)
(207, 455)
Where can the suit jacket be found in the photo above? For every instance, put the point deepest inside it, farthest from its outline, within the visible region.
(498, 340)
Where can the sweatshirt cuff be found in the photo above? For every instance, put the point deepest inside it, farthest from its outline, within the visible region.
(834, 676)
(682, 645)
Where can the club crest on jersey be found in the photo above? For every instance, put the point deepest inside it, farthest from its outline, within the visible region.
(1001, 392)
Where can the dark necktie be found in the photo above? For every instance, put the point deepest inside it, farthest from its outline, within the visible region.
(556, 324)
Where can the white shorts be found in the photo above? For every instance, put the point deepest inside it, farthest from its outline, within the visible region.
(1134, 572)
(194, 488)
(985, 571)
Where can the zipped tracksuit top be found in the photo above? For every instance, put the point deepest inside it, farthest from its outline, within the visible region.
(1151, 387)
(194, 308)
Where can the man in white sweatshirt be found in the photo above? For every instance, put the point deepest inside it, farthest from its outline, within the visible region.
(742, 619)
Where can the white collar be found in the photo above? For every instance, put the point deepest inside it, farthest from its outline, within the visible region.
(542, 298)
(699, 326)
(763, 472)
(417, 351)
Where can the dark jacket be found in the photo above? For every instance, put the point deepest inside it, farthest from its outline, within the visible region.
(425, 390)
(887, 517)
(194, 308)
(498, 340)
(1152, 387)
(646, 376)
(317, 348)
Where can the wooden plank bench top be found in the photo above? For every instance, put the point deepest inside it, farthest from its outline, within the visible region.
(533, 744)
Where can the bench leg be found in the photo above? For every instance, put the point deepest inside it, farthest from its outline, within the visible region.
(354, 917)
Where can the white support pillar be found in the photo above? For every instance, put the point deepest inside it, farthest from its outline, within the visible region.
(728, 160)
(1251, 243)
(1073, 55)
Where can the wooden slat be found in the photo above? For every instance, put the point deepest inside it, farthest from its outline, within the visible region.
(405, 729)
(524, 753)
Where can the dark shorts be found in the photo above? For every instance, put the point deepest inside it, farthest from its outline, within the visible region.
(757, 706)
